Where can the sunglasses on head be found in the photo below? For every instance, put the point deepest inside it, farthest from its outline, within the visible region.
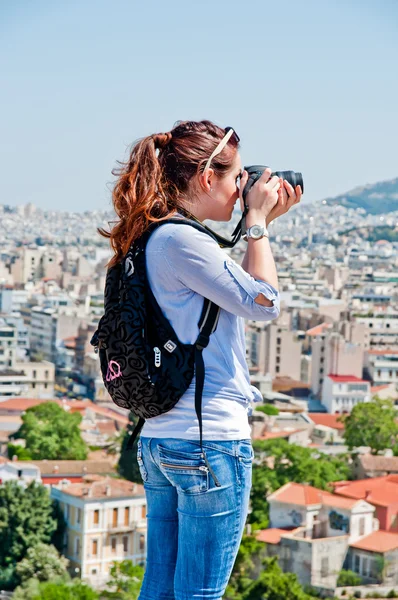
(229, 133)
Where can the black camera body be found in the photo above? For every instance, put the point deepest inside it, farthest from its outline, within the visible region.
(255, 172)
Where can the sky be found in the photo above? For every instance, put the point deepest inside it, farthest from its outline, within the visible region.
(310, 86)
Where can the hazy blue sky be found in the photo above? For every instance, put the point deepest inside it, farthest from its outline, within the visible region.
(309, 85)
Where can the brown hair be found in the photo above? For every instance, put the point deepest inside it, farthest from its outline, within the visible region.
(150, 187)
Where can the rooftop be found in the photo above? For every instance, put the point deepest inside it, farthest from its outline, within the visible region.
(378, 463)
(318, 329)
(378, 541)
(272, 535)
(104, 487)
(327, 420)
(346, 379)
(380, 491)
(297, 493)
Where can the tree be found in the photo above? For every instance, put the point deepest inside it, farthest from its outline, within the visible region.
(125, 581)
(348, 578)
(28, 517)
(372, 424)
(128, 466)
(51, 433)
(42, 562)
(268, 409)
(265, 582)
(55, 590)
(290, 463)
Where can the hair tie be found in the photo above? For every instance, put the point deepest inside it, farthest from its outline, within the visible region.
(161, 139)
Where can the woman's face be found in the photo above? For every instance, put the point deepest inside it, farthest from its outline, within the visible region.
(225, 192)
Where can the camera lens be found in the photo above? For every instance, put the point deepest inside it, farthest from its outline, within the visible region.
(292, 177)
(255, 172)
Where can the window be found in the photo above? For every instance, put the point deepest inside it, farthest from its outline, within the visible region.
(45, 386)
(93, 571)
(379, 373)
(78, 515)
(34, 373)
(278, 360)
(142, 542)
(125, 544)
(46, 374)
(96, 517)
(321, 370)
(362, 526)
(365, 565)
(322, 360)
(356, 563)
(95, 548)
(114, 517)
(277, 369)
(325, 566)
(33, 385)
(67, 512)
(143, 512)
(77, 546)
(113, 544)
(127, 515)
(278, 341)
(390, 373)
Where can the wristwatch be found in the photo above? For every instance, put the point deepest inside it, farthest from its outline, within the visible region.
(256, 232)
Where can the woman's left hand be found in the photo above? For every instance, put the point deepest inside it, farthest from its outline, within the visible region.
(287, 197)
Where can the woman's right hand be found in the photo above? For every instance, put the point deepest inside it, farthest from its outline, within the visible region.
(264, 194)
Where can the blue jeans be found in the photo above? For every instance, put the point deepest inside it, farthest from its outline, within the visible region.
(194, 526)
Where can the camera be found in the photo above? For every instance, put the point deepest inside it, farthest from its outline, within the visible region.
(255, 172)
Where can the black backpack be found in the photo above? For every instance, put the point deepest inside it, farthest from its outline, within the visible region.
(144, 366)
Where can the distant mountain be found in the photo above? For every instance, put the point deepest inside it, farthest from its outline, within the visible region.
(375, 199)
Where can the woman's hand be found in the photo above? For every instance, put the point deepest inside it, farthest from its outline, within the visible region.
(287, 197)
(263, 196)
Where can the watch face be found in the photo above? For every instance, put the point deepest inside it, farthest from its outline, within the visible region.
(256, 231)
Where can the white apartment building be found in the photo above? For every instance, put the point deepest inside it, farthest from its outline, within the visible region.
(8, 345)
(48, 328)
(382, 366)
(106, 522)
(29, 379)
(331, 353)
(340, 393)
(382, 329)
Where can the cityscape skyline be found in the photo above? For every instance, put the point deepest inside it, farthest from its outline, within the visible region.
(82, 82)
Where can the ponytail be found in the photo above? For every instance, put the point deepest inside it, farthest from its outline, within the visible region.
(149, 185)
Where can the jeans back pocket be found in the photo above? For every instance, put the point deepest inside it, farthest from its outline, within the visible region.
(187, 471)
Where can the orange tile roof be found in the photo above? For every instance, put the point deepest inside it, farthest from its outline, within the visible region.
(318, 329)
(380, 491)
(378, 388)
(272, 535)
(103, 487)
(378, 541)
(326, 419)
(297, 493)
(338, 501)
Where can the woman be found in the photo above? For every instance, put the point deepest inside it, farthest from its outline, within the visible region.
(194, 526)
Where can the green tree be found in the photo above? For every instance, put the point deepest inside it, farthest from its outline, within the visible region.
(372, 424)
(267, 583)
(247, 567)
(51, 433)
(348, 578)
(28, 517)
(125, 581)
(55, 590)
(268, 409)
(291, 463)
(128, 466)
(42, 562)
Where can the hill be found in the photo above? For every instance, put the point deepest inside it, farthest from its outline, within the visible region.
(375, 199)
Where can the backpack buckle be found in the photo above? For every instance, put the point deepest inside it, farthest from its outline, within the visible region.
(202, 341)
